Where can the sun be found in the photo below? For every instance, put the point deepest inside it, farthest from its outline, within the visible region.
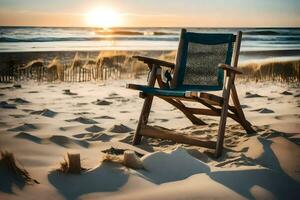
(103, 17)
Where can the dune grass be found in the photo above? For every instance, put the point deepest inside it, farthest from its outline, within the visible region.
(118, 64)
(10, 164)
(279, 71)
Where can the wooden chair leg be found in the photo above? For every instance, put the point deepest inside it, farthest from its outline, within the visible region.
(244, 123)
(146, 107)
(221, 130)
(222, 125)
(143, 119)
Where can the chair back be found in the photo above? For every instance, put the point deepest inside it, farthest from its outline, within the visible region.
(197, 60)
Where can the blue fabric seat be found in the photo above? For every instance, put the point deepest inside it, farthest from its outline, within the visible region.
(158, 91)
(168, 92)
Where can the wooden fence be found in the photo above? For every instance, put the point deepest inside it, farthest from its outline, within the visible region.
(75, 74)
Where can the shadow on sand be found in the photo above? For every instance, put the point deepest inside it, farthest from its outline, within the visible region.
(108, 177)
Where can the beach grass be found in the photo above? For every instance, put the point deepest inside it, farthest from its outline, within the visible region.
(282, 71)
(95, 66)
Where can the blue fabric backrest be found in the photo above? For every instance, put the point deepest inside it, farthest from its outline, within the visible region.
(200, 55)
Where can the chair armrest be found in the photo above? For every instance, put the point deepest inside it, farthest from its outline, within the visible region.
(230, 68)
(149, 60)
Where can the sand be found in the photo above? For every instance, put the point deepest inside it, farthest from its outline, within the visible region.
(40, 124)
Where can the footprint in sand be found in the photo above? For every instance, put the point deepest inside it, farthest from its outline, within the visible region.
(103, 137)
(68, 92)
(67, 142)
(4, 104)
(120, 129)
(17, 86)
(124, 111)
(83, 113)
(44, 112)
(102, 102)
(83, 135)
(18, 116)
(81, 104)
(27, 136)
(263, 110)
(113, 94)
(24, 127)
(82, 120)
(28, 110)
(250, 95)
(286, 93)
(94, 129)
(32, 92)
(245, 106)
(19, 100)
(104, 117)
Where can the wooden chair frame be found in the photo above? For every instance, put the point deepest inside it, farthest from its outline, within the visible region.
(216, 105)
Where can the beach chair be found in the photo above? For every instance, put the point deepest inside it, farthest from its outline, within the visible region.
(205, 62)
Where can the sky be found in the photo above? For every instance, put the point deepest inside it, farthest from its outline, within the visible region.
(152, 13)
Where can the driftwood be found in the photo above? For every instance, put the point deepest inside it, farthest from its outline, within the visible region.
(71, 165)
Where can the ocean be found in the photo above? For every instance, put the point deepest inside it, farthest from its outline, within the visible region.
(256, 42)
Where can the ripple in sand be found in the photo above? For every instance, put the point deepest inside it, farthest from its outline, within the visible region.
(4, 104)
(263, 110)
(82, 120)
(66, 141)
(94, 129)
(120, 129)
(24, 127)
(250, 95)
(102, 102)
(27, 136)
(44, 112)
(19, 100)
(104, 117)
